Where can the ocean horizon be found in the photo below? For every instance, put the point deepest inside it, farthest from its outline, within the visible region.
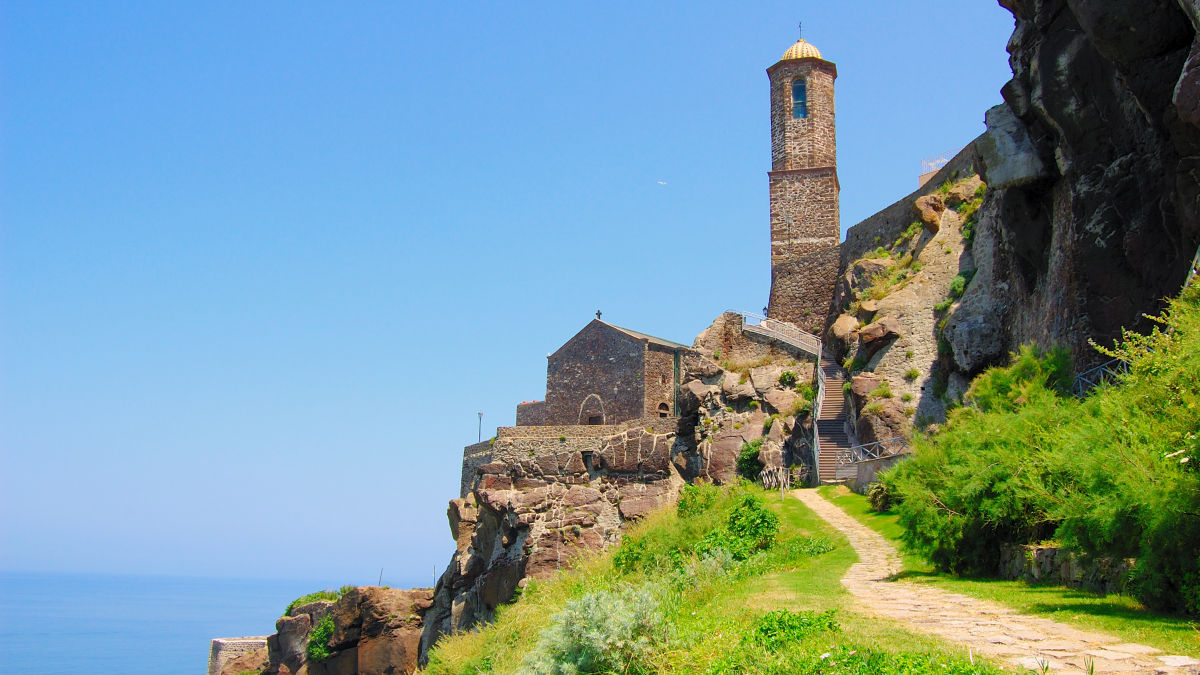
(52, 624)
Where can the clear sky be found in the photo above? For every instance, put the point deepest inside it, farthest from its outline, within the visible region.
(261, 263)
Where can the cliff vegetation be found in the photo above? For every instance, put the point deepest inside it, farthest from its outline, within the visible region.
(1113, 475)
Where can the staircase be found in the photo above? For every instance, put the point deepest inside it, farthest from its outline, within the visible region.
(831, 431)
(830, 438)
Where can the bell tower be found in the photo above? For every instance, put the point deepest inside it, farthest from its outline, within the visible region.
(805, 222)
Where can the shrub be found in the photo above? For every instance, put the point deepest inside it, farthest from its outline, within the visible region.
(884, 390)
(847, 387)
(880, 496)
(908, 354)
(782, 628)
(316, 596)
(318, 640)
(769, 422)
(959, 283)
(749, 529)
(747, 463)
(800, 408)
(906, 397)
(943, 305)
(695, 499)
(873, 408)
(602, 631)
(753, 405)
(911, 374)
(787, 378)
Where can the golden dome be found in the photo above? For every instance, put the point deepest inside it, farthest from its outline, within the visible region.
(801, 50)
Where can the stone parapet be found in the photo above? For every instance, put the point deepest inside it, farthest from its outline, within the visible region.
(226, 650)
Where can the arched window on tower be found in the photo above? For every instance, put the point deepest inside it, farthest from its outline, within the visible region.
(799, 99)
(664, 410)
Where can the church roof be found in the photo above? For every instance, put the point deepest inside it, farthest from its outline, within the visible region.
(801, 50)
(648, 338)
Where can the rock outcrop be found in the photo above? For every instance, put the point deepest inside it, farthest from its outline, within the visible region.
(376, 631)
(1094, 167)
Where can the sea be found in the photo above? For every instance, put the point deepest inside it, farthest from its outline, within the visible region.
(53, 624)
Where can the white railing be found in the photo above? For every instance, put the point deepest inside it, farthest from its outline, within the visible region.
(782, 331)
(877, 450)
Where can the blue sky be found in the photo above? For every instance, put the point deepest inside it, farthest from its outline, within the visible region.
(262, 263)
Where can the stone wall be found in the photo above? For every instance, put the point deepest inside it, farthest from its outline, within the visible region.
(885, 226)
(660, 381)
(802, 289)
(810, 141)
(531, 413)
(1054, 565)
(474, 456)
(225, 654)
(866, 471)
(598, 373)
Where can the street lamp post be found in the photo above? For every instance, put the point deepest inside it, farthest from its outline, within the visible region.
(480, 438)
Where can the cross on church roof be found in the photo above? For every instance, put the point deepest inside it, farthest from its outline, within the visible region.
(597, 314)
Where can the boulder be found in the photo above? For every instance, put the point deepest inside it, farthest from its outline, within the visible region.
(875, 335)
(781, 400)
(765, 378)
(881, 420)
(844, 328)
(1008, 154)
(929, 209)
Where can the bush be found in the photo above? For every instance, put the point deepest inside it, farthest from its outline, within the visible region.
(603, 631)
(317, 596)
(750, 528)
(884, 390)
(782, 628)
(1113, 475)
(318, 640)
(695, 499)
(748, 465)
(787, 378)
(879, 495)
(958, 284)
(912, 374)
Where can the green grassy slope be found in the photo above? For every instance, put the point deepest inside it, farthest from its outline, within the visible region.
(655, 605)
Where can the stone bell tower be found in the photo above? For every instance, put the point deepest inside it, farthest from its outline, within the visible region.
(805, 223)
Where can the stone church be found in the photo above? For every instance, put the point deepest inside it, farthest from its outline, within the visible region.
(607, 375)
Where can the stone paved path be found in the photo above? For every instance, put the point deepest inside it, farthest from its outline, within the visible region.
(988, 629)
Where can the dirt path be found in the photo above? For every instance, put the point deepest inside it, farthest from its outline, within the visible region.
(986, 628)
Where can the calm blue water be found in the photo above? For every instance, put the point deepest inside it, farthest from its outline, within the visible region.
(52, 624)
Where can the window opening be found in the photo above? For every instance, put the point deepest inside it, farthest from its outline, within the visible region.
(664, 410)
(799, 99)
(595, 419)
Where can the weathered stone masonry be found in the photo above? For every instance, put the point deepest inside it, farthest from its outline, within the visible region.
(805, 221)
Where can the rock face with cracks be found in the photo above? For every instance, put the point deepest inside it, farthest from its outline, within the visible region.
(1094, 167)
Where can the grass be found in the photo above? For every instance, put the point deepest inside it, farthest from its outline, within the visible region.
(709, 626)
(315, 596)
(1116, 615)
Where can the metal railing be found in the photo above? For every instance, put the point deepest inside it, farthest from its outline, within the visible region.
(1194, 270)
(782, 331)
(1105, 373)
(877, 450)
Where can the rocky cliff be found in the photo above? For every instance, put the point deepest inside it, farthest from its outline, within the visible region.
(1093, 168)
